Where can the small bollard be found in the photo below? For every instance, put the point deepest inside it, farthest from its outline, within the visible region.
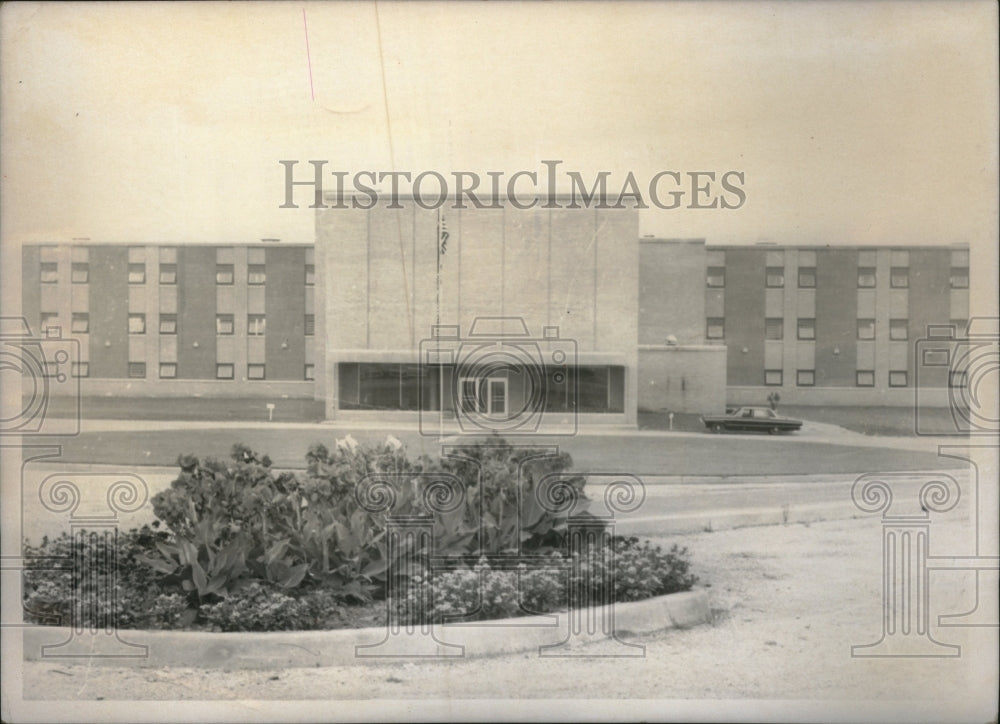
(670, 417)
(270, 412)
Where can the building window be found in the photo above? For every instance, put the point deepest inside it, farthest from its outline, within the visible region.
(49, 319)
(898, 378)
(775, 277)
(310, 275)
(224, 274)
(137, 324)
(866, 277)
(310, 373)
(168, 324)
(168, 273)
(716, 328)
(899, 278)
(958, 378)
(137, 370)
(774, 328)
(255, 372)
(81, 369)
(805, 378)
(773, 378)
(137, 274)
(256, 274)
(716, 276)
(959, 277)
(898, 329)
(310, 325)
(807, 277)
(866, 329)
(224, 371)
(806, 328)
(80, 323)
(49, 272)
(168, 370)
(80, 273)
(865, 378)
(256, 324)
(224, 324)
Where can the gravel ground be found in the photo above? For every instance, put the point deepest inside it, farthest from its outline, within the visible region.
(788, 603)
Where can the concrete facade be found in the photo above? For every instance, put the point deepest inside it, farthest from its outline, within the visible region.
(555, 281)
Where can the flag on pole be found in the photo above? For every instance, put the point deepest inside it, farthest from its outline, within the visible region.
(442, 235)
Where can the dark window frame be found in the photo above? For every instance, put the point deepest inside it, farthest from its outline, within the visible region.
(225, 271)
(906, 378)
(715, 322)
(777, 271)
(798, 378)
(137, 268)
(857, 378)
(48, 266)
(77, 267)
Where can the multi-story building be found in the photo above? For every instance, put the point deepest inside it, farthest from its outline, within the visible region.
(188, 320)
(834, 326)
(401, 312)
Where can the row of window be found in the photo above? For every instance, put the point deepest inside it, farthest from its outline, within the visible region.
(899, 277)
(224, 323)
(863, 378)
(774, 328)
(168, 371)
(224, 273)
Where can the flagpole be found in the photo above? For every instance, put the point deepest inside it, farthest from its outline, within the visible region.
(437, 246)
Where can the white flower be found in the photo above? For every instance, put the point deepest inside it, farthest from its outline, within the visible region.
(348, 443)
(392, 442)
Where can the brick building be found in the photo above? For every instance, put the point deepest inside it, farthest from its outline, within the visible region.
(421, 314)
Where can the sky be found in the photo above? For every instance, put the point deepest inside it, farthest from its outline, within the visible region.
(852, 122)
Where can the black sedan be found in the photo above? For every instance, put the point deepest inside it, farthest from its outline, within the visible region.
(751, 418)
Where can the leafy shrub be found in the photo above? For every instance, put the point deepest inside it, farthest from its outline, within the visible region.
(641, 570)
(108, 586)
(260, 608)
(250, 548)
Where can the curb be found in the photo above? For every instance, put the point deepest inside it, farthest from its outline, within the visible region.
(209, 650)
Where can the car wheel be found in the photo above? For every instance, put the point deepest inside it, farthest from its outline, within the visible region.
(773, 430)
(717, 428)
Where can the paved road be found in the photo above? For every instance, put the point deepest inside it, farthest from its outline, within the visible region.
(670, 505)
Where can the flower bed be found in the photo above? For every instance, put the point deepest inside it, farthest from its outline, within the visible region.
(239, 546)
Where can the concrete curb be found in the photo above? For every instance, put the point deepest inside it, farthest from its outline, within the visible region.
(205, 650)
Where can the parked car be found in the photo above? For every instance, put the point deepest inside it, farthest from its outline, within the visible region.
(751, 418)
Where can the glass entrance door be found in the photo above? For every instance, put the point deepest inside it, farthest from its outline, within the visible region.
(484, 396)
